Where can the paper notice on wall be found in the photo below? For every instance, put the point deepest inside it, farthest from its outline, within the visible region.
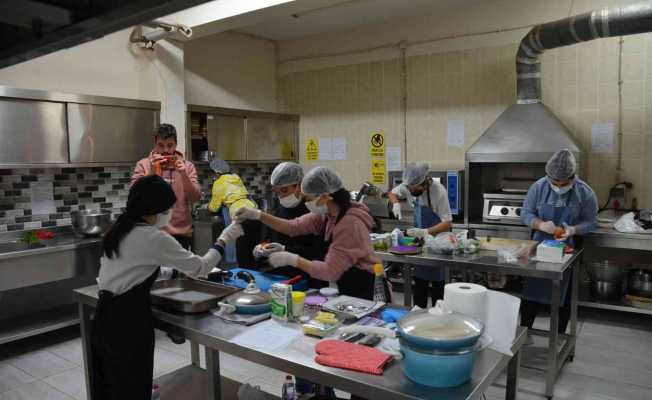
(393, 158)
(312, 149)
(42, 198)
(325, 149)
(455, 133)
(602, 138)
(339, 148)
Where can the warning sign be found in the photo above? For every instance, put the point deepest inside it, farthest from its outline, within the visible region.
(378, 171)
(377, 144)
(312, 149)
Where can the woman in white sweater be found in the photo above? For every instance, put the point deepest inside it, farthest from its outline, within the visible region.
(133, 250)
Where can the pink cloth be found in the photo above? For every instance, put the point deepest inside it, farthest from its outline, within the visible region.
(350, 243)
(181, 222)
(339, 354)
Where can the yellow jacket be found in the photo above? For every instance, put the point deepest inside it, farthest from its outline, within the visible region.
(228, 190)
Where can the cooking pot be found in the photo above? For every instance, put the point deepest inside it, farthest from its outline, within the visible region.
(605, 290)
(89, 222)
(439, 346)
(640, 283)
(251, 300)
(606, 271)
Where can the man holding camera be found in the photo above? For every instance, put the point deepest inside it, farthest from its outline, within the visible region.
(180, 173)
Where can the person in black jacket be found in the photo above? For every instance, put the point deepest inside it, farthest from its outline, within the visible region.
(286, 183)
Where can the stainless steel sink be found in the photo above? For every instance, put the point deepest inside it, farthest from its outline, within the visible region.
(8, 247)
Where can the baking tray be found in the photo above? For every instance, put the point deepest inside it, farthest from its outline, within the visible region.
(189, 295)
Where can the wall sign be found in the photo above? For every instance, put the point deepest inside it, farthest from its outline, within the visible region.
(312, 149)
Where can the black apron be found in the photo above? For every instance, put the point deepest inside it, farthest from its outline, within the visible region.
(122, 342)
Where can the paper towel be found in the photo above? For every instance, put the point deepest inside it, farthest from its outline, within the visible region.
(498, 311)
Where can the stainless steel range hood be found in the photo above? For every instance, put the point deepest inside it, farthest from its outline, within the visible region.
(522, 133)
(528, 131)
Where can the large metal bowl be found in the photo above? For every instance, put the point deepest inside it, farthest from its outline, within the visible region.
(605, 271)
(90, 223)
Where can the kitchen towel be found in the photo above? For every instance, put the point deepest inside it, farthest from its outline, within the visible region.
(339, 354)
(498, 311)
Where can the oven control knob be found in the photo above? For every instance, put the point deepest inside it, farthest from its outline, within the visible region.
(518, 211)
(504, 210)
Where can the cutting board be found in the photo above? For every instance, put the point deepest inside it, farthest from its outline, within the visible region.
(496, 243)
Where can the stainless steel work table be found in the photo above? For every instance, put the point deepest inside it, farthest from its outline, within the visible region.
(298, 359)
(487, 261)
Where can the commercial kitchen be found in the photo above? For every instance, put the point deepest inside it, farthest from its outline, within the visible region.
(326, 199)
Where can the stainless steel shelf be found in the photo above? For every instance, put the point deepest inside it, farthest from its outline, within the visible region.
(615, 306)
(34, 324)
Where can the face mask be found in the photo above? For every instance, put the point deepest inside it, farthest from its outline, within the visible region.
(290, 201)
(163, 219)
(561, 190)
(313, 207)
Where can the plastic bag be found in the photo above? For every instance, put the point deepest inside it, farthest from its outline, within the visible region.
(469, 246)
(443, 243)
(512, 254)
(627, 224)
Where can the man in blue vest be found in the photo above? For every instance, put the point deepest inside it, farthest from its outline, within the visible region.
(432, 215)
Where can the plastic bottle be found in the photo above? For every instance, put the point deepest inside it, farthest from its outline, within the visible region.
(379, 283)
(289, 392)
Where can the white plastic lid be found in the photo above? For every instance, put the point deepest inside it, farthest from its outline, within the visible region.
(329, 292)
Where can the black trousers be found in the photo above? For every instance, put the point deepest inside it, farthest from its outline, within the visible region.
(184, 241)
(423, 289)
(530, 309)
(244, 245)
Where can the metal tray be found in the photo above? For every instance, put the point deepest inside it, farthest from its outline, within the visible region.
(189, 295)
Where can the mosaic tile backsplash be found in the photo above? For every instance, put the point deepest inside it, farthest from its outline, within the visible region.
(92, 189)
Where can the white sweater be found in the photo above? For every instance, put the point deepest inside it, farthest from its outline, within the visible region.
(143, 250)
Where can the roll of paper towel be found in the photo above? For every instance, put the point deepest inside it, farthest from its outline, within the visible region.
(467, 298)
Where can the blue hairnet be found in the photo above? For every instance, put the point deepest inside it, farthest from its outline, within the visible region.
(562, 165)
(415, 173)
(220, 166)
(286, 173)
(321, 180)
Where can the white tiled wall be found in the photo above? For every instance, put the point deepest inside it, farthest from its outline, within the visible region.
(580, 84)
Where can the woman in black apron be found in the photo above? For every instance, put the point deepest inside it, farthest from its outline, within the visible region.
(122, 333)
(344, 226)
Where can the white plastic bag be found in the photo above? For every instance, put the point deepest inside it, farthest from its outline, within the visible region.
(627, 224)
(512, 254)
(443, 243)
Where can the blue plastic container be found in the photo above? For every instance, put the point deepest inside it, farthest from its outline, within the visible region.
(438, 369)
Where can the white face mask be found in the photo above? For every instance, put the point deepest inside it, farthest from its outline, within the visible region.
(163, 219)
(313, 207)
(560, 190)
(289, 201)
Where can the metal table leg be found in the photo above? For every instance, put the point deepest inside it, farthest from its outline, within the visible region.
(573, 314)
(194, 353)
(85, 312)
(407, 285)
(213, 374)
(513, 372)
(553, 336)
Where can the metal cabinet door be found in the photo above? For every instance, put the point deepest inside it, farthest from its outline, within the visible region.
(226, 136)
(110, 133)
(32, 132)
(270, 139)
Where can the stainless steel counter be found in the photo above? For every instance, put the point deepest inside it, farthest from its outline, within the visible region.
(67, 241)
(298, 358)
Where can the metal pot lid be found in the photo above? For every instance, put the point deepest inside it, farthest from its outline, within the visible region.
(251, 296)
(440, 324)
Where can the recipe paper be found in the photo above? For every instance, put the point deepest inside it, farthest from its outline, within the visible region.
(339, 148)
(455, 133)
(42, 198)
(268, 335)
(602, 138)
(325, 149)
(393, 158)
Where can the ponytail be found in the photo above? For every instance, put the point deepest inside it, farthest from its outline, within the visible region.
(342, 198)
(112, 238)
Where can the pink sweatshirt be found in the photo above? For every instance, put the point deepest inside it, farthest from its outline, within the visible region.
(350, 243)
(181, 222)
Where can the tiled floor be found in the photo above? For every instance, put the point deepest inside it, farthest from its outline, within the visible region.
(613, 361)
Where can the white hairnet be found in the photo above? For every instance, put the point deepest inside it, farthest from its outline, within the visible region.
(415, 173)
(321, 180)
(220, 166)
(562, 165)
(286, 173)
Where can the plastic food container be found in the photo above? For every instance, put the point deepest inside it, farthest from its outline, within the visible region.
(298, 299)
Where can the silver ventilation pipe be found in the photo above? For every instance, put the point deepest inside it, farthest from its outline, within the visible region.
(608, 22)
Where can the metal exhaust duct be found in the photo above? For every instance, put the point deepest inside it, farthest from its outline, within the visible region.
(528, 131)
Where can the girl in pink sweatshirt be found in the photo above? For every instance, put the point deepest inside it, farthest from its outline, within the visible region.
(344, 225)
